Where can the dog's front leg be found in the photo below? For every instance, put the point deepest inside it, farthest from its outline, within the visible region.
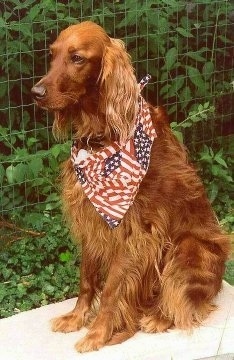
(101, 330)
(75, 319)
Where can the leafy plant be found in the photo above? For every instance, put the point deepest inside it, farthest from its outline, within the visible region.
(201, 114)
(216, 171)
(38, 271)
(214, 164)
(32, 174)
(229, 274)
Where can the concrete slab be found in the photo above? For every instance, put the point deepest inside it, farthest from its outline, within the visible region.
(27, 336)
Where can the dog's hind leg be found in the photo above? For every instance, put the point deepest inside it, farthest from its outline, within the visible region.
(191, 278)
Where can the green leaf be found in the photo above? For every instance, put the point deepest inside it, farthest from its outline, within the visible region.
(172, 109)
(65, 256)
(213, 192)
(163, 23)
(55, 150)
(220, 160)
(208, 70)
(31, 141)
(225, 39)
(3, 131)
(206, 157)
(176, 85)
(215, 169)
(170, 58)
(21, 154)
(206, 105)
(184, 32)
(10, 174)
(36, 165)
(185, 96)
(195, 56)
(21, 290)
(211, 152)
(173, 124)
(164, 76)
(178, 135)
(195, 77)
(49, 289)
(164, 89)
(187, 123)
(34, 12)
(3, 88)
(20, 173)
(200, 107)
(52, 206)
(2, 173)
(52, 197)
(2, 23)
(196, 118)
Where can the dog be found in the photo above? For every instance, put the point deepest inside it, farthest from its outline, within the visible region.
(153, 254)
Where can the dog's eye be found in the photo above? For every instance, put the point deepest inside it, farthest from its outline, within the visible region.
(77, 59)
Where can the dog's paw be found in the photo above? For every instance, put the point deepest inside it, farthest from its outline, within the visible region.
(67, 323)
(90, 342)
(120, 337)
(153, 323)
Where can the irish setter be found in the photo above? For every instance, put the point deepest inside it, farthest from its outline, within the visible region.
(161, 264)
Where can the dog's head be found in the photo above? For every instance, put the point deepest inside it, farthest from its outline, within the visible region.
(91, 72)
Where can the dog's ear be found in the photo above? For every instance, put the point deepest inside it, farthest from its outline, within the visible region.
(119, 89)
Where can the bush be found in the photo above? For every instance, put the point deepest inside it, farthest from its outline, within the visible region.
(38, 270)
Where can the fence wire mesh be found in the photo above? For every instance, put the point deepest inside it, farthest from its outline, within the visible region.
(187, 47)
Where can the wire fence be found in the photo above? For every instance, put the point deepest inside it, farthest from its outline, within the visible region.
(187, 47)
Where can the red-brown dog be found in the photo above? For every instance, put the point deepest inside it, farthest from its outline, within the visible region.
(152, 250)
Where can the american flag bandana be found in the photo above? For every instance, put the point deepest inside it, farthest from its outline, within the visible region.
(111, 177)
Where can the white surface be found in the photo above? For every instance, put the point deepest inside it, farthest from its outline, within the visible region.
(28, 336)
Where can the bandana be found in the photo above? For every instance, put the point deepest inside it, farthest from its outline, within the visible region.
(111, 177)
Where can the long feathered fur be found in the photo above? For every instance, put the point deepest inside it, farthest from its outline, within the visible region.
(163, 265)
(118, 90)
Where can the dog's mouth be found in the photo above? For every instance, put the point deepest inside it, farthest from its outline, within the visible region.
(43, 103)
(43, 106)
(40, 105)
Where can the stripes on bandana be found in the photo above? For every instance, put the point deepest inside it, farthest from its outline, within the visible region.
(111, 177)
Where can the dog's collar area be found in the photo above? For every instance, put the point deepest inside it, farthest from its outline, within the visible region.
(93, 142)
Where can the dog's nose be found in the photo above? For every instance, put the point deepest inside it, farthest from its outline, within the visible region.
(38, 92)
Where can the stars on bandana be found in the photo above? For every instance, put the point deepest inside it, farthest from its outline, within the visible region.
(112, 163)
(142, 146)
(80, 175)
(111, 222)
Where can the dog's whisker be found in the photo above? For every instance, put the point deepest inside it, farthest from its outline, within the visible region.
(69, 97)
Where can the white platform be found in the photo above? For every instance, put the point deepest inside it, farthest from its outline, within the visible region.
(27, 336)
